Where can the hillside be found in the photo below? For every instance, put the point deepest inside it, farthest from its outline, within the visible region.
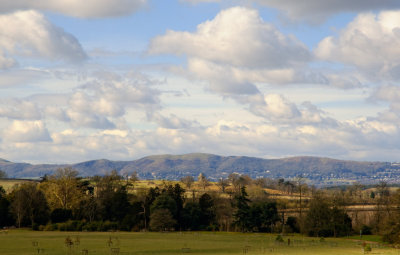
(173, 167)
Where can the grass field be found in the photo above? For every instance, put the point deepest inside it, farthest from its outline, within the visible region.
(21, 242)
(8, 184)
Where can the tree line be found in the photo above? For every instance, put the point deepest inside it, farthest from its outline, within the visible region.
(65, 201)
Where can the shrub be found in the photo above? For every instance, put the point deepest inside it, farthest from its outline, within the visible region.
(367, 248)
(366, 230)
(279, 239)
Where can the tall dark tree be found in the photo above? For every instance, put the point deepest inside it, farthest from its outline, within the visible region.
(146, 199)
(242, 214)
(341, 222)
(112, 197)
(163, 212)
(263, 215)
(207, 208)
(178, 194)
(191, 216)
(164, 201)
(5, 217)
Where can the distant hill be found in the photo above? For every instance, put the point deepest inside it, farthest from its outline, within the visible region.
(174, 167)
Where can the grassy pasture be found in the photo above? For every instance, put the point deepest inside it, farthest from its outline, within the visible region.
(17, 242)
(8, 184)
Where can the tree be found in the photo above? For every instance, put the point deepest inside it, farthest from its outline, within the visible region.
(383, 204)
(234, 181)
(318, 218)
(263, 216)
(191, 216)
(88, 209)
(112, 197)
(146, 199)
(61, 189)
(178, 194)
(29, 205)
(341, 222)
(300, 187)
(161, 219)
(323, 219)
(5, 219)
(223, 212)
(188, 181)
(222, 184)
(3, 174)
(207, 216)
(164, 201)
(242, 214)
(391, 227)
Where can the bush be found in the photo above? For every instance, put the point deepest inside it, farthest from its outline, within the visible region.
(60, 215)
(279, 239)
(71, 225)
(92, 226)
(366, 230)
(50, 227)
(109, 225)
(367, 248)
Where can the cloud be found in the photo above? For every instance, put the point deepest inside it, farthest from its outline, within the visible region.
(6, 62)
(27, 132)
(100, 103)
(77, 8)
(277, 109)
(234, 50)
(30, 34)
(173, 122)
(236, 36)
(316, 10)
(389, 94)
(97, 103)
(369, 43)
(19, 109)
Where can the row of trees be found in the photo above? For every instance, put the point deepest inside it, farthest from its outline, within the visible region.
(65, 201)
(89, 203)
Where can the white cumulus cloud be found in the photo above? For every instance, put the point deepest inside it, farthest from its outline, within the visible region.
(30, 34)
(237, 36)
(235, 50)
(26, 132)
(370, 43)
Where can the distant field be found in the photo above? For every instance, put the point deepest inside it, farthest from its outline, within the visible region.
(17, 242)
(8, 184)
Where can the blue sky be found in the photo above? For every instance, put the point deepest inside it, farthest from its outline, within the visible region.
(123, 79)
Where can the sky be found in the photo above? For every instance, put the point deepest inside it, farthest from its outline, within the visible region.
(124, 79)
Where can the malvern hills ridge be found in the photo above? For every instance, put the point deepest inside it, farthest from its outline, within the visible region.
(173, 167)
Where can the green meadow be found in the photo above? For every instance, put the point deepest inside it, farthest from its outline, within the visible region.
(21, 242)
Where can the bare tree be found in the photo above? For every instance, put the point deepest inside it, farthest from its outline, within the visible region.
(188, 181)
(222, 184)
(62, 190)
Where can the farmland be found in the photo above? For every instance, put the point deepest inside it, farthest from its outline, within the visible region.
(16, 242)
